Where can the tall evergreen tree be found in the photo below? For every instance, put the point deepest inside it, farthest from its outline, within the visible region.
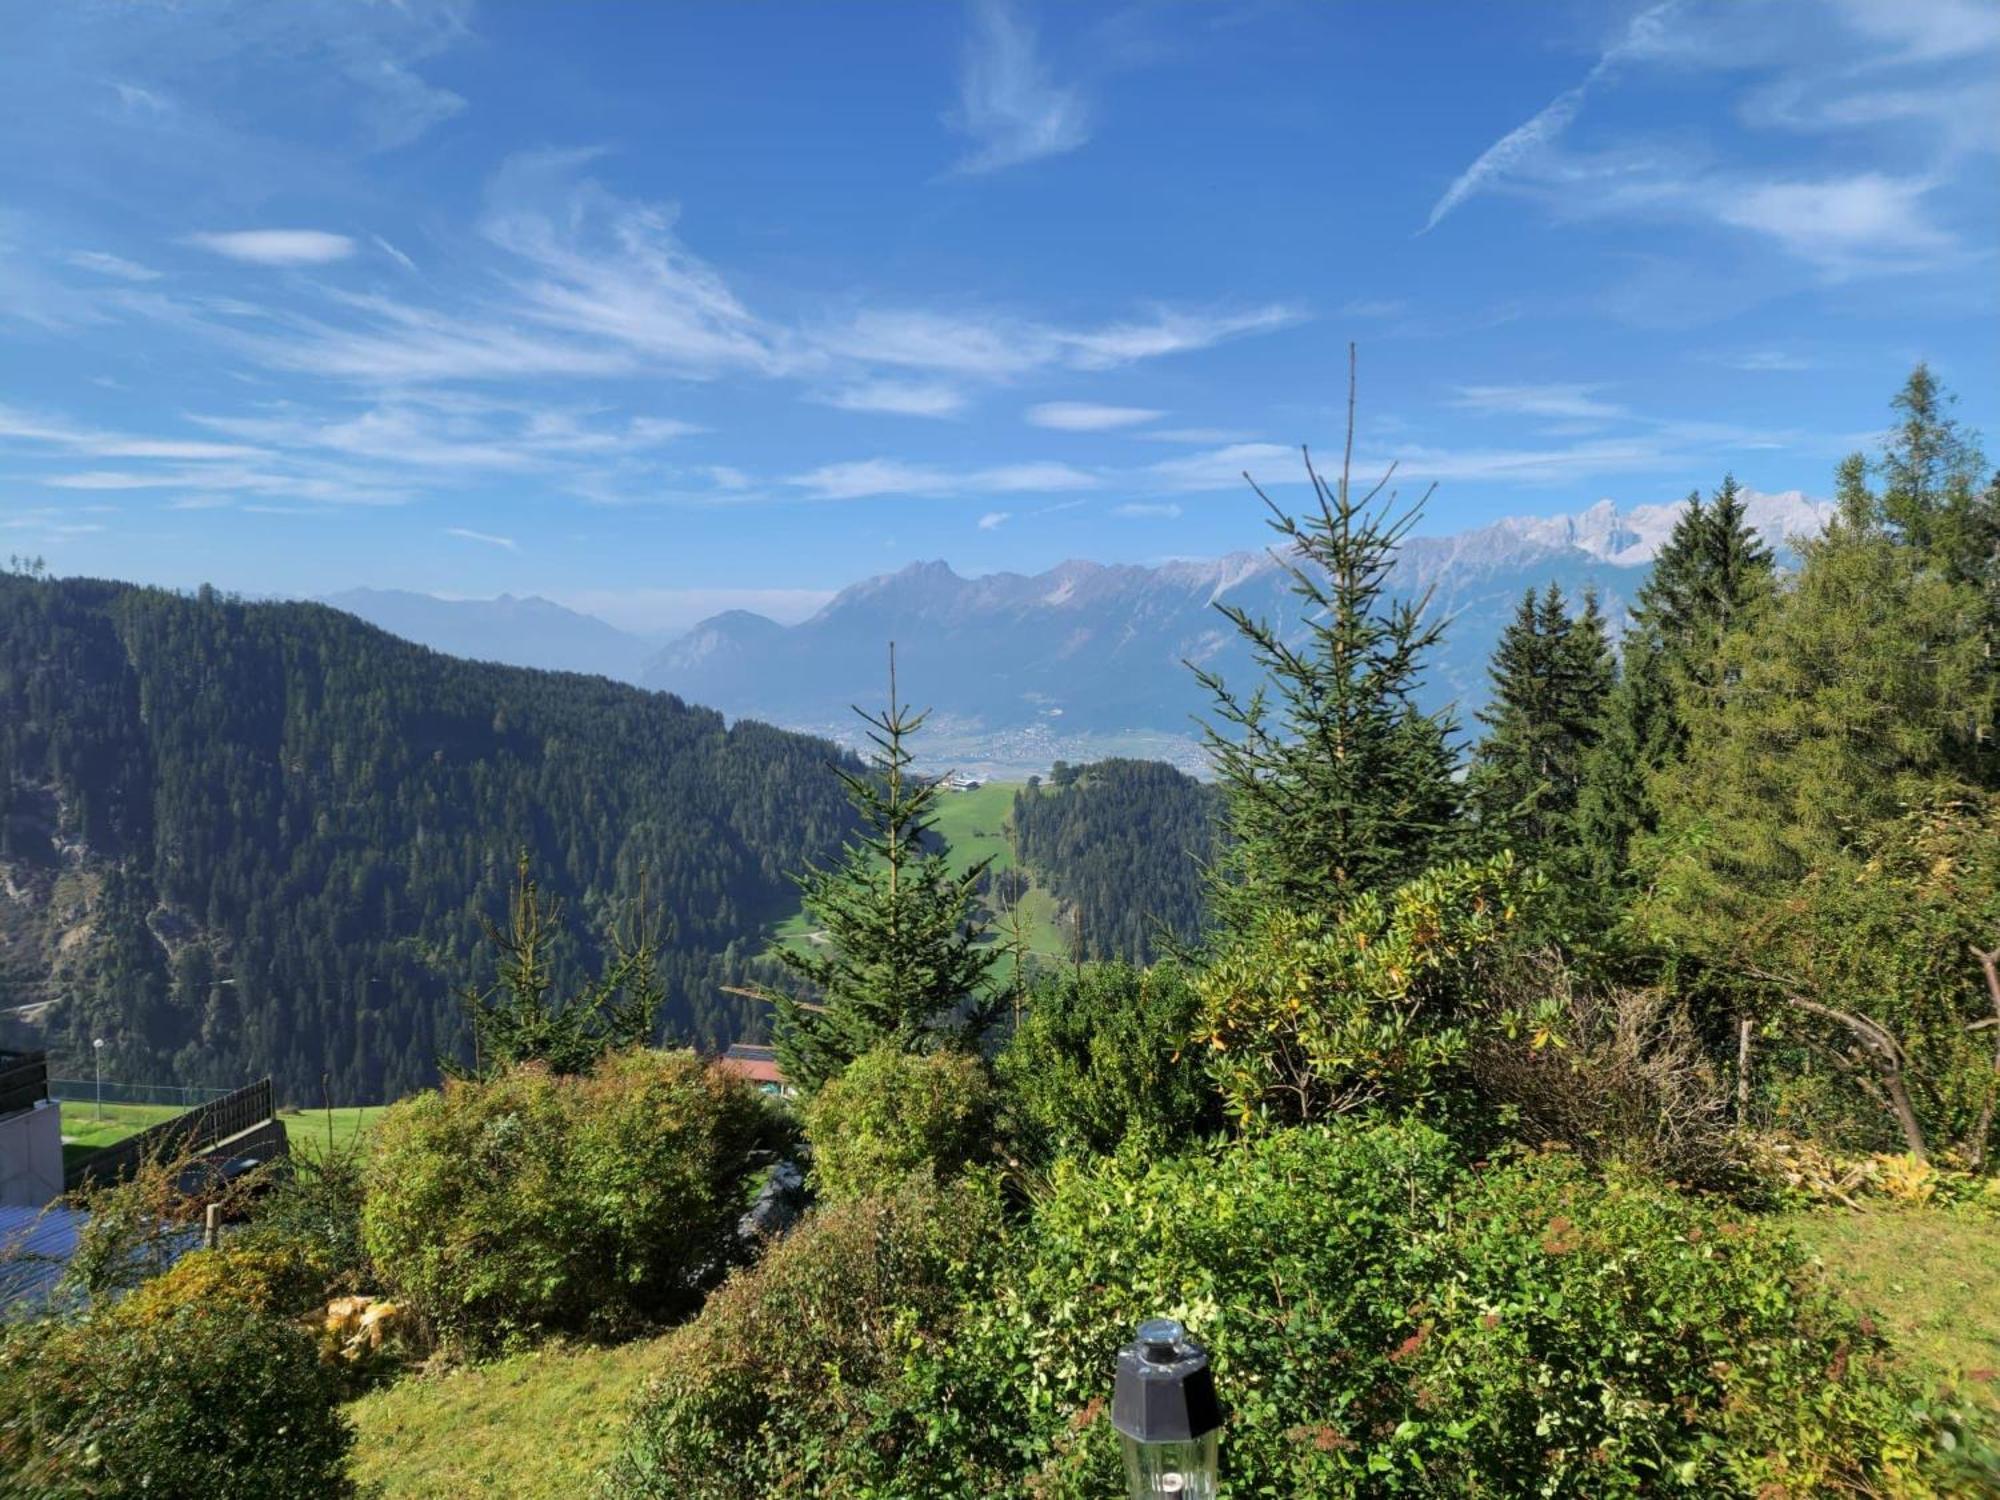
(1711, 577)
(1842, 714)
(902, 956)
(1552, 673)
(1932, 471)
(1932, 502)
(1336, 782)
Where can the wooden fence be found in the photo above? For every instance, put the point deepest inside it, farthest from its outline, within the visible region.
(199, 1128)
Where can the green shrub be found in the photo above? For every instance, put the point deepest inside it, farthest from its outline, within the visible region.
(1383, 1318)
(206, 1400)
(891, 1113)
(1611, 1337)
(278, 1279)
(311, 1204)
(788, 1382)
(1102, 1055)
(1305, 1016)
(527, 1204)
(1383, 1323)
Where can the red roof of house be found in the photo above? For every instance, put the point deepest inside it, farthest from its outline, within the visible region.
(758, 1064)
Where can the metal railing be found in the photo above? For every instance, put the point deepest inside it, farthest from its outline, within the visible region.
(24, 1080)
(199, 1128)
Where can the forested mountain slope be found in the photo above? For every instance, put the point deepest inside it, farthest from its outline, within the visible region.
(1123, 845)
(241, 838)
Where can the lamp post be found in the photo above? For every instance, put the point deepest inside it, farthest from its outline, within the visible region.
(1167, 1415)
(97, 1050)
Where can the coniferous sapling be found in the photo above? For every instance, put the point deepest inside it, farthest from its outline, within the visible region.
(1336, 782)
(520, 1018)
(901, 954)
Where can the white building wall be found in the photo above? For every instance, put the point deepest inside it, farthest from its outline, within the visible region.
(31, 1159)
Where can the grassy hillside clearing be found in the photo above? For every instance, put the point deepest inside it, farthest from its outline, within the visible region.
(974, 825)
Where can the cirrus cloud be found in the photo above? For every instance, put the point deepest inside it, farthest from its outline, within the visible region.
(276, 247)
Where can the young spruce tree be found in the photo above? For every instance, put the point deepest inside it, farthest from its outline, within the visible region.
(1336, 782)
(521, 1018)
(905, 959)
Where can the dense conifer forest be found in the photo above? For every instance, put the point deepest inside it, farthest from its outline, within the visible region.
(248, 838)
(1124, 845)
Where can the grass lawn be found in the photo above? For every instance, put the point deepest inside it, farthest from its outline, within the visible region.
(533, 1427)
(84, 1133)
(306, 1128)
(1930, 1275)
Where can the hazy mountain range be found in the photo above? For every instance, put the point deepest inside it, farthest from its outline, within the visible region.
(530, 632)
(1082, 660)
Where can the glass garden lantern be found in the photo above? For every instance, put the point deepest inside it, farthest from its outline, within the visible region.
(1167, 1416)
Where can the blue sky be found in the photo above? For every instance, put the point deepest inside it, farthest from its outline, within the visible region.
(656, 309)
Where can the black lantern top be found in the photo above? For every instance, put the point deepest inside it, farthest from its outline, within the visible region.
(1165, 1391)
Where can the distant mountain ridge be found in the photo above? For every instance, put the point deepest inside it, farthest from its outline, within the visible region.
(520, 631)
(1096, 649)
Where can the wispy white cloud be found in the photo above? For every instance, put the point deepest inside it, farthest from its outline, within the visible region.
(1220, 468)
(51, 524)
(1844, 224)
(1084, 416)
(1141, 510)
(488, 538)
(398, 106)
(115, 266)
(1508, 153)
(1172, 331)
(322, 484)
(1008, 101)
(898, 398)
(18, 428)
(276, 247)
(1374, 307)
(138, 100)
(998, 347)
(866, 478)
(378, 341)
(993, 520)
(393, 253)
(1641, 37)
(1851, 66)
(458, 434)
(1927, 30)
(1198, 436)
(609, 269)
(1657, 446)
(1563, 401)
(1029, 478)
(1768, 361)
